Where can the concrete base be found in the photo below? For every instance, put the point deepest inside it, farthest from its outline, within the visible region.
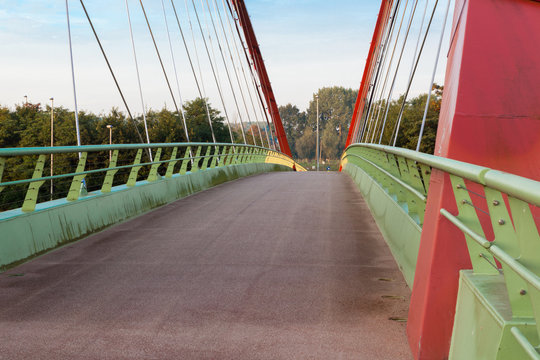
(55, 223)
(399, 230)
(484, 319)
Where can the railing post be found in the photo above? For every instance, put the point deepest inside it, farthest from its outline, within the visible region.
(2, 168)
(206, 158)
(183, 168)
(153, 175)
(172, 164)
(109, 177)
(75, 189)
(196, 160)
(135, 169)
(215, 158)
(33, 189)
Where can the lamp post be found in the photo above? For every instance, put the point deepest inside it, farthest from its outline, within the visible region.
(52, 144)
(110, 127)
(25, 100)
(317, 155)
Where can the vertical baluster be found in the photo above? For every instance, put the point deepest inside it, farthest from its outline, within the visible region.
(153, 175)
(75, 189)
(172, 164)
(185, 161)
(206, 158)
(467, 214)
(2, 168)
(31, 197)
(196, 160)
(132, 180)
(109, 177)
(215, 158)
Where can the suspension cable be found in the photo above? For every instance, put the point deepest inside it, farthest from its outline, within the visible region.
(138, 78)
(242, 66)
(163, 67)
(433, 78)
(111, 70)
(392, 56)
(257, 87)
(182, 111)
(413, 73)
(78, 131)
(211, 63)
(379, 103)
(224, 65)
(397, 68)
(381, 59)
(216, 9)
(202, 92)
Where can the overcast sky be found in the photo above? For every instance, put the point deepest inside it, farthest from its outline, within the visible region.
(307, 44)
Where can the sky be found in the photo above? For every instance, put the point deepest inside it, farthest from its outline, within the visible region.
(306, 45)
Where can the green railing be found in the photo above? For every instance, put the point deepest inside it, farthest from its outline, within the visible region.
(502, 205)
(97, 168)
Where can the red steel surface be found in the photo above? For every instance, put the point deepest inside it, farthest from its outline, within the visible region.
(266, 86)
(490, 116)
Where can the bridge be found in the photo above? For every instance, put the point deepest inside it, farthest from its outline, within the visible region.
(223, 250)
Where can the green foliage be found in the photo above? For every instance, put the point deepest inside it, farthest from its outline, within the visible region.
(29, 125)
(336, 106)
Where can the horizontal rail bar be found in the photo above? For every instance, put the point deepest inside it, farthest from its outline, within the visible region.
(516, 266)
(482, 241)
(519, 187)
(11, 152)
(407, 187)
(525, 344)
(95, 171)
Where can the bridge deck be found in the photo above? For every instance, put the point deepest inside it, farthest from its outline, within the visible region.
(276, 266)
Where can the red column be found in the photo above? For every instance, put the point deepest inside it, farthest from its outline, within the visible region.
(490, 116)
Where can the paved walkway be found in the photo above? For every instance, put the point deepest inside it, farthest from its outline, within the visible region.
(276, 266)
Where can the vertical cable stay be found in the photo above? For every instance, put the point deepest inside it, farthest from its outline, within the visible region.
(163, 67)
(232, 63)
(73, 78)
(256, 85)
(381, 61)
(209, 14)
(111, 71)
(397, 68)
(413, 73)
(210, 61)
(382, 66)
(138, 79)
(201, 74)
(242, 67)
(379, 103)
(433, 78)
(398, 5)
(182, 111)
(258, 65)
(202, 92)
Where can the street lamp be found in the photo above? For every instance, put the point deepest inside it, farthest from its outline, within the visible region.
(110, 127)
(317, 155)
(25, 100)
(52, 144)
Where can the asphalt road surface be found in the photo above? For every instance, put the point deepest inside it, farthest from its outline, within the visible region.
(275, 266)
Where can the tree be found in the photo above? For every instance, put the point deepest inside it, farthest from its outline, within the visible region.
(294, 122)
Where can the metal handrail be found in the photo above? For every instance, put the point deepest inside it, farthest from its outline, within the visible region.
(519, 191)
(217, 154)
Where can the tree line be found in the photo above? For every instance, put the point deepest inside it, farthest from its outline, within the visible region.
(336, 106)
